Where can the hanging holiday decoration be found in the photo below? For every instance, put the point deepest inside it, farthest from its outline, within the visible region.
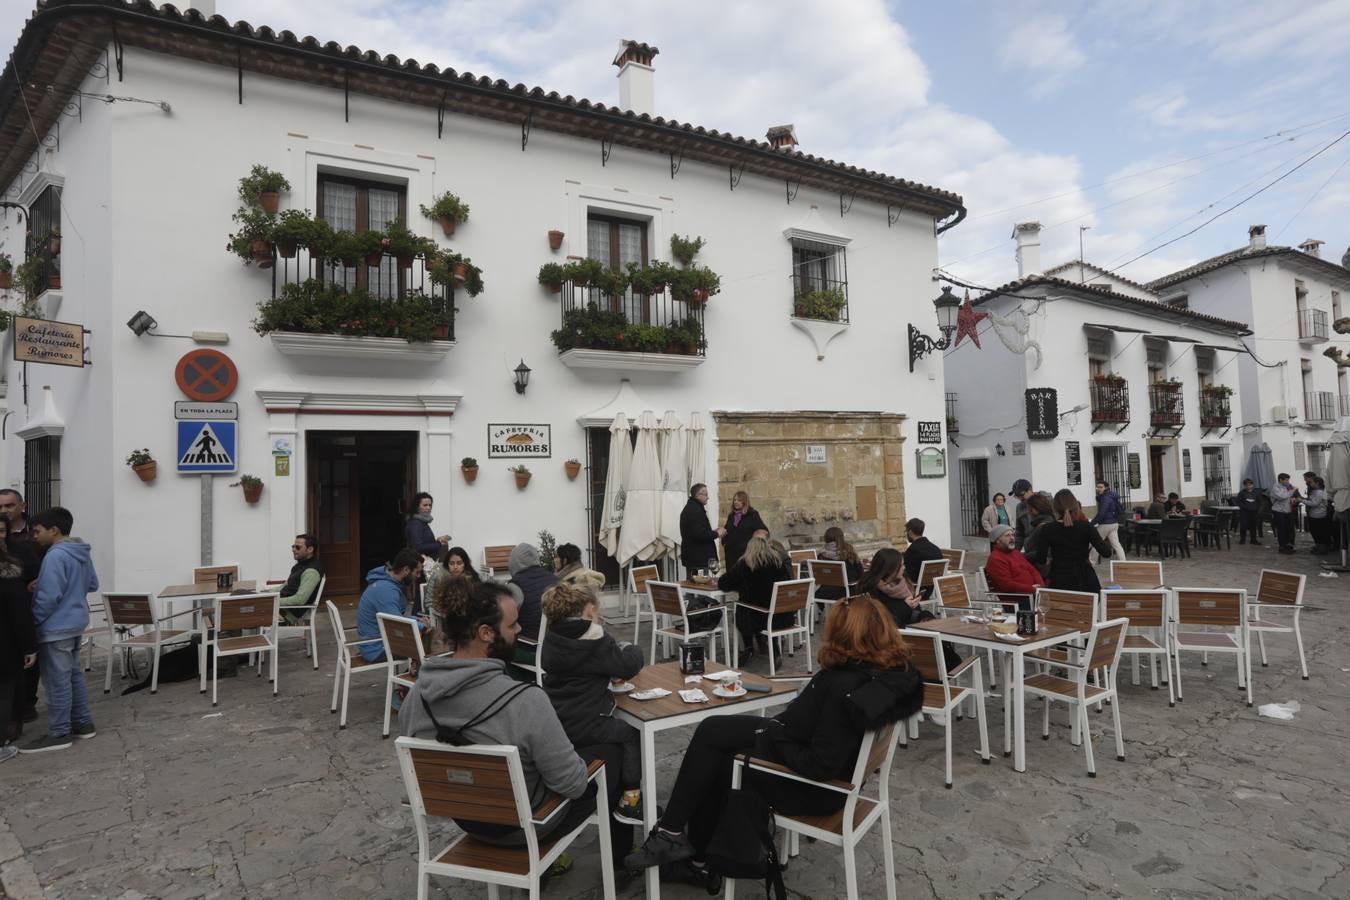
(1013, 329)
(968, 323)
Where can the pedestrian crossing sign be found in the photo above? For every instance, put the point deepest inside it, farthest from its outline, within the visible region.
(207, 447)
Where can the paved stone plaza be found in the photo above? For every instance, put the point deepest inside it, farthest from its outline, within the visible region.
(269, 799)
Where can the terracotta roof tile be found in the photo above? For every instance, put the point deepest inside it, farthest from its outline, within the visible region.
(1148, 307)
(1245, 253)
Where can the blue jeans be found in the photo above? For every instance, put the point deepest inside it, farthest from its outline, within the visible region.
(67, 694)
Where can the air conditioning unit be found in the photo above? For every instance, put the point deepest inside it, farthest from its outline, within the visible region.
(1283, 413)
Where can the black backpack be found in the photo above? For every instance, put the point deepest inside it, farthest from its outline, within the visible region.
(742, 844)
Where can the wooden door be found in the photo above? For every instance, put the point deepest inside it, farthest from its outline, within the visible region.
(334, 499)
(1155, 471)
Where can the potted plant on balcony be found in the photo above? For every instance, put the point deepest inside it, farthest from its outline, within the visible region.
(826, 305)
(683, 250)
(610, 282)
(685, 336)
(262, 187)
(555, 239)
(33, 277)
(551, 277)
(253, 487)
(252, 241)
(54, 242)
(1169, 385)
(522, 475)
(403, 244)
(573, 468)
(455, 270)
(449, 210)
(6, 272)
(582, 272)
(293, 229)
(468, 467)
(697, 285)
(143, 464)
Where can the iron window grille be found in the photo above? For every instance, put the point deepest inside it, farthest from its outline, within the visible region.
(42, 472)
(818, 267)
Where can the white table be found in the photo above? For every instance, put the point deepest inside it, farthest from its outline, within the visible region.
(712, 592)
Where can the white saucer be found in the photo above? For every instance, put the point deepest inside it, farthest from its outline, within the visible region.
(621, 688)
(720, 691)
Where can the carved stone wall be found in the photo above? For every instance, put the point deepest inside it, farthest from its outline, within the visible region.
(859, 486)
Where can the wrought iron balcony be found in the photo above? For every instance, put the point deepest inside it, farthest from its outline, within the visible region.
(1312, 325)
(1345, 404)
(819, 298)
(1319, 406)
(952, 422)
(632, 322)
(1110, 396)
(1165, 407)
(1215, 409)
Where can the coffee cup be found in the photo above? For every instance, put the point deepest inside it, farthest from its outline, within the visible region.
(731, 684)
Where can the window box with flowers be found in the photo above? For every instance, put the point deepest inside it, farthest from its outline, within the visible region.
(309, 318)
(1110, 399)
(1215, 406)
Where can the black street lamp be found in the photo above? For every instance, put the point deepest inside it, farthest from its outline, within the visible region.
(522, 377)
(920, 345)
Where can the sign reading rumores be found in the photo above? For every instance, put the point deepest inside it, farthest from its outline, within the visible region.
(42, 341)
(519, 441)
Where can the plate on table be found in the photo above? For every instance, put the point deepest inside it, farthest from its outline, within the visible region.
(725, 694)
(623, 688)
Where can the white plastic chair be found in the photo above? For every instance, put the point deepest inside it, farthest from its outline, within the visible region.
(1280, 593)
(402, 645)
(308, 628)
(127, 613)
(1218, 624)
(787, 597)
(940, 696)
(343, 668)
(255, 612)
(667, 600)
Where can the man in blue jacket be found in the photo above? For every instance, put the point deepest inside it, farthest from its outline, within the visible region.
(386, 592)
(61, 615)
(1107, 520)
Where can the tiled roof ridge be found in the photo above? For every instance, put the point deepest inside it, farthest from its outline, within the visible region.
(1218, 262)
(1138, 302)
(1099, 270)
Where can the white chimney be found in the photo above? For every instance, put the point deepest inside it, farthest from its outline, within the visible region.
(782, 137)
(637, 77)
(1312, 247)
(1028, 236)
(1257, 233)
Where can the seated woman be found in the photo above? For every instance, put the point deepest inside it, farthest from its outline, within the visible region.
(579, 662)
(457, 563)
(839, 549)
(885, 582)
(753, 578)
(818, 735)
(1174, 507)
(1063, 548)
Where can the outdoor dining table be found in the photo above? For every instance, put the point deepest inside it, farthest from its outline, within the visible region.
(983, 637)
(711, 591)
(651, 717)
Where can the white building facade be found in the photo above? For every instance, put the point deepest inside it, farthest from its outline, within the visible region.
(144, 191)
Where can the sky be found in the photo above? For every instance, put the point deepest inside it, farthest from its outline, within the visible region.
(1138, 118)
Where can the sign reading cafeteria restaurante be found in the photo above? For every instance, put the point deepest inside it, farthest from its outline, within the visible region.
(42, 341)
(516, 441)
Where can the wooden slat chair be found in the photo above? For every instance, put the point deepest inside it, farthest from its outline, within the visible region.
(929, 570)
(1102, 654)
(308, 626)
(536, 667)
(799, 560)
(847, 827)
(402, 645)
(825, 573)
(1137, 575)
(1004, 599)
(940, 696)
(787, 597)
(1066, 609)
(250, 612)
(342, 673)
(207, 574)
(132, 624)
(638, 576)
(1147, 635)
(496, 560)
(1282, 592)
(1218, 624)
(484, 783)
(956, 559)
(953, 596)
(95, 629)
(668, 602)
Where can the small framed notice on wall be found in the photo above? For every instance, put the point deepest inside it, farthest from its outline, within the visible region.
(815, 453)
(931, 462)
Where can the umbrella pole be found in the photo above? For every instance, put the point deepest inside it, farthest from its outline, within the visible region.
(1345, 549)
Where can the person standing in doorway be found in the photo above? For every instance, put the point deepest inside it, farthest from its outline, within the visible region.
(418, 535)
(742, 522)
(1107, 520)
(996, 513)
(1249, 512)
(1283, 496)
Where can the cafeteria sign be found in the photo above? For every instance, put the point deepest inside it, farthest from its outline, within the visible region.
(43, 341)
(519, 441)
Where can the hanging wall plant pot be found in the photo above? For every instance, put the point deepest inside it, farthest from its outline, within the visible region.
(253, 493)
(262, 253)
(470, 473)
(461, 272)
(555, 239)
(269, 201)
(522, 479)
(286, 249)
(698, 297)
(147, 471)
(573, 468)
(6, 281)
(375, 257)
(448, 225)
(554, 288)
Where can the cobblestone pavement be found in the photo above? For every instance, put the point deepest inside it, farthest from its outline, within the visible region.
(269, 799)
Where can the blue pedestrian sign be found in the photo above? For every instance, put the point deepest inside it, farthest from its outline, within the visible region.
(207, 447)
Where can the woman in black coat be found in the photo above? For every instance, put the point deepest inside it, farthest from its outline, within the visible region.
(753, 578)
(697, 537)
(18, 643)
(818, 735)
(1065, 543)
(742, 523)
(418, 535)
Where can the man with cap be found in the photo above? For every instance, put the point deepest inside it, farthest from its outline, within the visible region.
(1021, 489)
(1009, 570)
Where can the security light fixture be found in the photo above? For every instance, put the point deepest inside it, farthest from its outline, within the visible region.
(141, 323)
(522, 377)
(998, 448)
(920, 345)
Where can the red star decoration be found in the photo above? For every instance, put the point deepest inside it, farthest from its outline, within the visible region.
(968, 323)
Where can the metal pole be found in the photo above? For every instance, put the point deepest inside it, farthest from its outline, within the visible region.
(206, 519)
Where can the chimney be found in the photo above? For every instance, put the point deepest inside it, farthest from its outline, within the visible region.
(637, 88)
(782, 137)
(1028, 236)
(206, 7)
(1312, 247)
(1257, 233)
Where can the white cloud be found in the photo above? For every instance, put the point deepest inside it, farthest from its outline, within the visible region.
(1172, 109)
(1043, 46)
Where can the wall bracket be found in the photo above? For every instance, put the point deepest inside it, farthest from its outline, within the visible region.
(676, 162)
(791, 189)
(846, 208)
(734, 175)
(525, 125)
(606, 148)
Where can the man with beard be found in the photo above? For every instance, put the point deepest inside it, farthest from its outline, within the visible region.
(469, 698)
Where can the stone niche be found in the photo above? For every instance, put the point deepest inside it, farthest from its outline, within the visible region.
(859, 486)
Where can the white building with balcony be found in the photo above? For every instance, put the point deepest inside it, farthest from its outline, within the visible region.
(1292, 395)
(1083, 376)
(810, 406)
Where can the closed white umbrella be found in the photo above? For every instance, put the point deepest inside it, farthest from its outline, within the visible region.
(674, 479)
(1260, 467)
(1338, 486)
(640, 536)
(698, 435)
(616, 481)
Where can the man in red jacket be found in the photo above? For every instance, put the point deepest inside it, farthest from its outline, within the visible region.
(1009, 570)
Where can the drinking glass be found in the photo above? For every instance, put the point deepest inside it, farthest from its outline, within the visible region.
(713, 566)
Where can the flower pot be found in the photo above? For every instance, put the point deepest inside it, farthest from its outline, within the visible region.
(6, 281)
(252, 493)
(470, 473)
(286, 248)
(442, 331)
(54, 282)
(659, 287)
(555, 239)
(698, 297)
(405, 262)
(269, 201)
(448, 224)
(573, 468)
(374, 257)
(54, 244)
(262, 253)
(522, 479)
(146, 471)
(461, 272)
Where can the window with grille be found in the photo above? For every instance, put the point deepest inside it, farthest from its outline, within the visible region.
(818, 266)
(42, 473)
(1109, 465)
(44, 223)
(354, 205)
(1214, 461)
(616, 242)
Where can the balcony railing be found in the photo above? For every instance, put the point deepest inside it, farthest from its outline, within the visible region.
(1319, 406)
(1165, 407)
(593, 319)
(819, 298)
(1312, 325)
(1110, 399)
(1215, 410)
(952, 421)
(1345, 404)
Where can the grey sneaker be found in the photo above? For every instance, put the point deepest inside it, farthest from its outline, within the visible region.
(45, 743)
(660, 848)
(8, 752)
(83, 732)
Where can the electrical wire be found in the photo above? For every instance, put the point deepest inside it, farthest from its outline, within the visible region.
(1313, 197)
